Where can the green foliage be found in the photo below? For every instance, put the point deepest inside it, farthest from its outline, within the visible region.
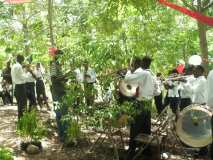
(5, 154)
(29, 126)
(73, 132)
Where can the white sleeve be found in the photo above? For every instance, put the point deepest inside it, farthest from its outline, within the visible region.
(21, 73)
(134, 77)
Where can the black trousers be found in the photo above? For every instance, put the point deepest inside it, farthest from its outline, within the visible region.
(140, 124)
(211, 147)
(173, 102)
(159, 103)
(184, 102)
(21, 98)
(40, 92)
(30, 90)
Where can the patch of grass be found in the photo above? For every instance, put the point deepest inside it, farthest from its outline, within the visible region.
(5, 154)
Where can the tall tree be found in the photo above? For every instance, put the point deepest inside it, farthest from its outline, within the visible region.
(201, 6)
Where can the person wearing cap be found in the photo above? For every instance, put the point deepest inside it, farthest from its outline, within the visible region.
(58, 80)
(199, 94)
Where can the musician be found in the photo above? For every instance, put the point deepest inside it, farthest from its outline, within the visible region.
(40, 87)
(186, 88)
(7, 83)
(58, 80)
(173, 98)
(145, 92)
(210, 101)
(159, 98)
(89, 81)
(200, 94)
(18, 79)
(199, 86)
(30, 87)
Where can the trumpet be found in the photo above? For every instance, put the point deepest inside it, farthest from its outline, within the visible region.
(177, 78)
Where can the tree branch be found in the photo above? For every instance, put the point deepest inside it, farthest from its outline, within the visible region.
(188, 5)
(207, 6)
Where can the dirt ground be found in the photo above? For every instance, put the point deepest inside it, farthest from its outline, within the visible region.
(52, 148)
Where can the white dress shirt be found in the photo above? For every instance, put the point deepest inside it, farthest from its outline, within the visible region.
(18, 74)
(210, 89)
(199, 90)
(91, 76)
(29, 78)
(145, 81)
(173, 92)
(38, 73)
(186, 87)
(79, 75)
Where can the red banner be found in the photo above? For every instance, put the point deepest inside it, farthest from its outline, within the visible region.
(196, 15)
(17, 1)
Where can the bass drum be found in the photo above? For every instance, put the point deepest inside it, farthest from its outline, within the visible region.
(194, 126)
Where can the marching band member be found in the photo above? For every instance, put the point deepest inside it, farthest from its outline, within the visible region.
(159, 98)
(30, 87)
(200, 94)
(145, 92)
(199, 86)
(18, 78)
(210, 102)
(173, 98)
(186, 88)
(7, 83)
(40, 87)
(89, 81)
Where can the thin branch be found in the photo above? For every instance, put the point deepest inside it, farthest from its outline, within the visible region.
(188, 5)
(207, 6)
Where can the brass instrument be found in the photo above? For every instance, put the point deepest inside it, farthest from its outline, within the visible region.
(177, 78)
(127, 89)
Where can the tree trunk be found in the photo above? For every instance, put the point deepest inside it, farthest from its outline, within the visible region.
(203, 44)
(202, 36)
(26, 40)
(50, 21)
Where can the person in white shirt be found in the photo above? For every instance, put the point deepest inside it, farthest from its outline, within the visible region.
(30, 87)
(199, 86)
(18, 78)
(142, 105)
(40, 87)
(210, 101)
(159, 98)
(186, 88)
(172, 98)
(89, 81)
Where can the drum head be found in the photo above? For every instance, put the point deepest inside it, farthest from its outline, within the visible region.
(127, 89)
(194, 126)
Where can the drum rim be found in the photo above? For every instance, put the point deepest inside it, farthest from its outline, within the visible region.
(185, 137)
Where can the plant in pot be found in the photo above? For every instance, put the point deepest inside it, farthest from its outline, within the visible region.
(5, 154)
(30, 128)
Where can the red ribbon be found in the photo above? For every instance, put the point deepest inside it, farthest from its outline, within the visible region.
(202, 18)
(17, 1)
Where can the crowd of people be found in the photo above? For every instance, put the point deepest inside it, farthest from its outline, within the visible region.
(25, 84)
(182, 90)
